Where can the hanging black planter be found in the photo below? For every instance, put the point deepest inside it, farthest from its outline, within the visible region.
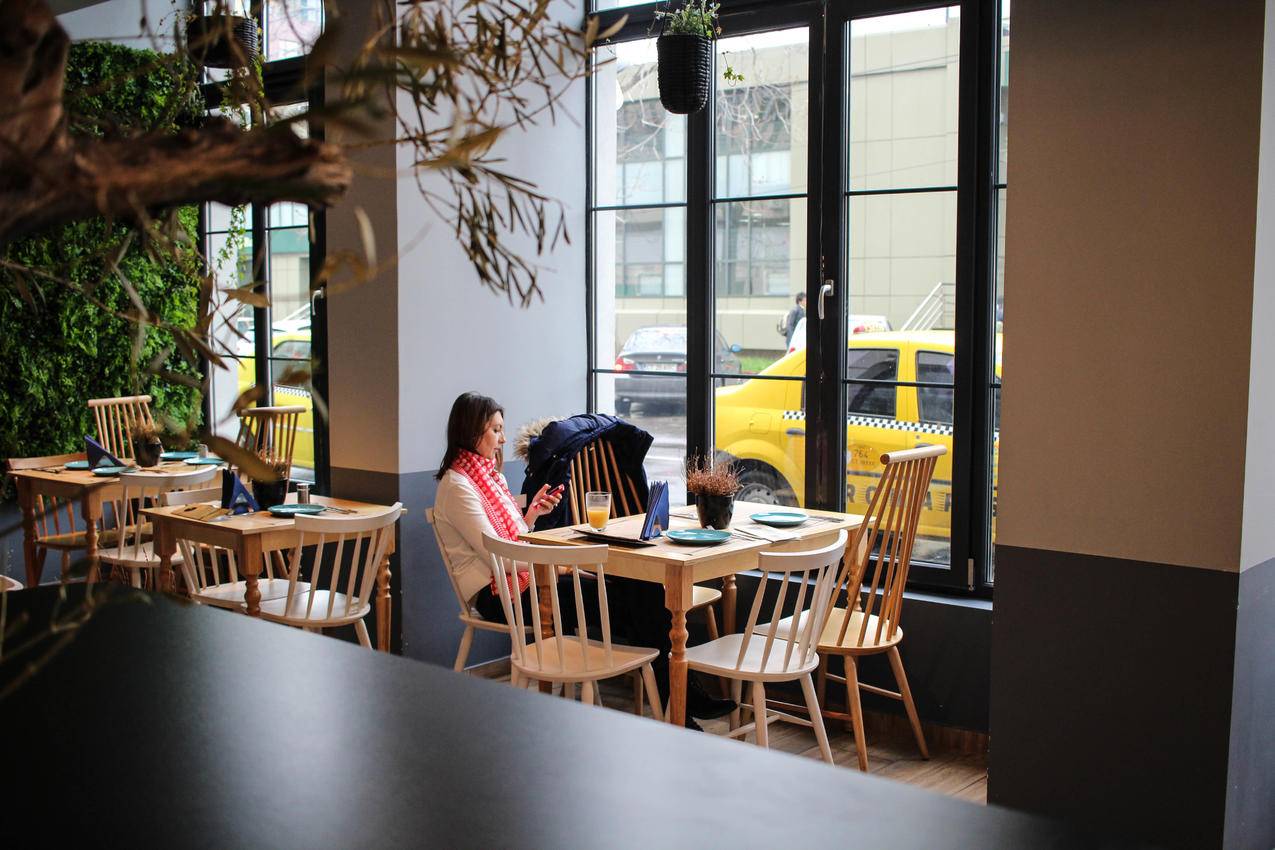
(685, 71)
(208, 46)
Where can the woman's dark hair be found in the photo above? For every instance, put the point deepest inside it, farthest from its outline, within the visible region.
(469, 417)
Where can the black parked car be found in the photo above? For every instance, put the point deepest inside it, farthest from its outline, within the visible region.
(662, 349)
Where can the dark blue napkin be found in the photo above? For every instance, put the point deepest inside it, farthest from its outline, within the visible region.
(656, 511)
(235, 496)
(98, 456)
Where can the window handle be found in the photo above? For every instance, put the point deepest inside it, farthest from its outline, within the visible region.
(825, 290)
(796, 432)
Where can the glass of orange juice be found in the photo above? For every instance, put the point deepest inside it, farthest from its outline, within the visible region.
(598, 506)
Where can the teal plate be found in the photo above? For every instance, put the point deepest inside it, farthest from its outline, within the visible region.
(698, 536)
(106, 471)
(178, 455)
(780, 519)
(204, 461)
(77, 464)
(293, 510)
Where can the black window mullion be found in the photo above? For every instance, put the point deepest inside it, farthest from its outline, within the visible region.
(319, 319)
(986, 109)
(700, 158)
(261, 331)
(825, 339)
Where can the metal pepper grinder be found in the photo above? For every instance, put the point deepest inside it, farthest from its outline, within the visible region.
(303, 493)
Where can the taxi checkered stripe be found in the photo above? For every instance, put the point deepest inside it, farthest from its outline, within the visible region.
(879, 422)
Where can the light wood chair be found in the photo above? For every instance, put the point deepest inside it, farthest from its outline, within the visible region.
(270, 433)
(133, 555)
(346, 597)
(468, 613)
(889, 527)
(566, 659)
(595, 468)
(55, 525)
(201, 564)
(116, 418)
(784, 650)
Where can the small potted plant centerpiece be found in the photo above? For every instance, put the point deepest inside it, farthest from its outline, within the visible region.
(685, 52)
(714, 486)
(146, 444)
(273, 492)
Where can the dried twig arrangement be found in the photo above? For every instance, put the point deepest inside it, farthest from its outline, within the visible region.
(706, 478)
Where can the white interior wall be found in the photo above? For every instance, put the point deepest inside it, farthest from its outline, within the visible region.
(454, 335)
(120, 21)
(1258, 542)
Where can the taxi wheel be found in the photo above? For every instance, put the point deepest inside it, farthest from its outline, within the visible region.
(763, 487)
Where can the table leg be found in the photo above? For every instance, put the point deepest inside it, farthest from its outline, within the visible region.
(26, 499)
(728, 604)
(165, 545)
(383, 609)
(91, 513)
(249, 554)
(545, 573)
(677, 598)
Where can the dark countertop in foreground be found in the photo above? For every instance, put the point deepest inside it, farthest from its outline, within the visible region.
(163, 724)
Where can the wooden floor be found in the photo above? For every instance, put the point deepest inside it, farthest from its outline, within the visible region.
(892, 752)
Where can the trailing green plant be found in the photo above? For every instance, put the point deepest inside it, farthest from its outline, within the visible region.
(69, 299)
(697, 17)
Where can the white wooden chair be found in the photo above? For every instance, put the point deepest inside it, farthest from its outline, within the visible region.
(346, 597)
(784, 651)
(116, 418)
(889, 526)
(134, 553)
(201, 564)
(560, 658)
(468, 613)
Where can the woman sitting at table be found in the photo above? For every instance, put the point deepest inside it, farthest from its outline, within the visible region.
(474, 498)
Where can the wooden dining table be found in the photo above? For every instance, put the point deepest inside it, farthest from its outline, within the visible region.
(77, 485)
(252, 535)
(679, 567)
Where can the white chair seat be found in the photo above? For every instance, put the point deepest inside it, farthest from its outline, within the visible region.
(140, 557)
(571, 665)
(828, 640)
(231, 594)
(701, 596)
(292, 612)
(7, 583)
(719, 657)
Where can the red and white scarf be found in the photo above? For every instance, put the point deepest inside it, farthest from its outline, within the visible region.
(497, 503)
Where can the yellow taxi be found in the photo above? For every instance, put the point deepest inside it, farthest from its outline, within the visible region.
(288, 346)
(761, 424)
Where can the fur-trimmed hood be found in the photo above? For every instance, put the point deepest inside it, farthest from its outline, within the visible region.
(527, 433)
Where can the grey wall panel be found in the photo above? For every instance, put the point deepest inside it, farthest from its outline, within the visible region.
(1110, 701)
(1250, 797)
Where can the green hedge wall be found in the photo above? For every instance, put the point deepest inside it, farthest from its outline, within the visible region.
(63, 351)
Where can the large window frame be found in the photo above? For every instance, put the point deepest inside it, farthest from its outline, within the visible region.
(285, 85)
(974, 382)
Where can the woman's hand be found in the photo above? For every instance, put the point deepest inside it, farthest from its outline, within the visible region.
(544, 502)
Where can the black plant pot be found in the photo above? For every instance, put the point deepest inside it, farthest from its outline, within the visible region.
(715, 511)
(685, 72)
(146, 451)
(207, 44)
(270, 493)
